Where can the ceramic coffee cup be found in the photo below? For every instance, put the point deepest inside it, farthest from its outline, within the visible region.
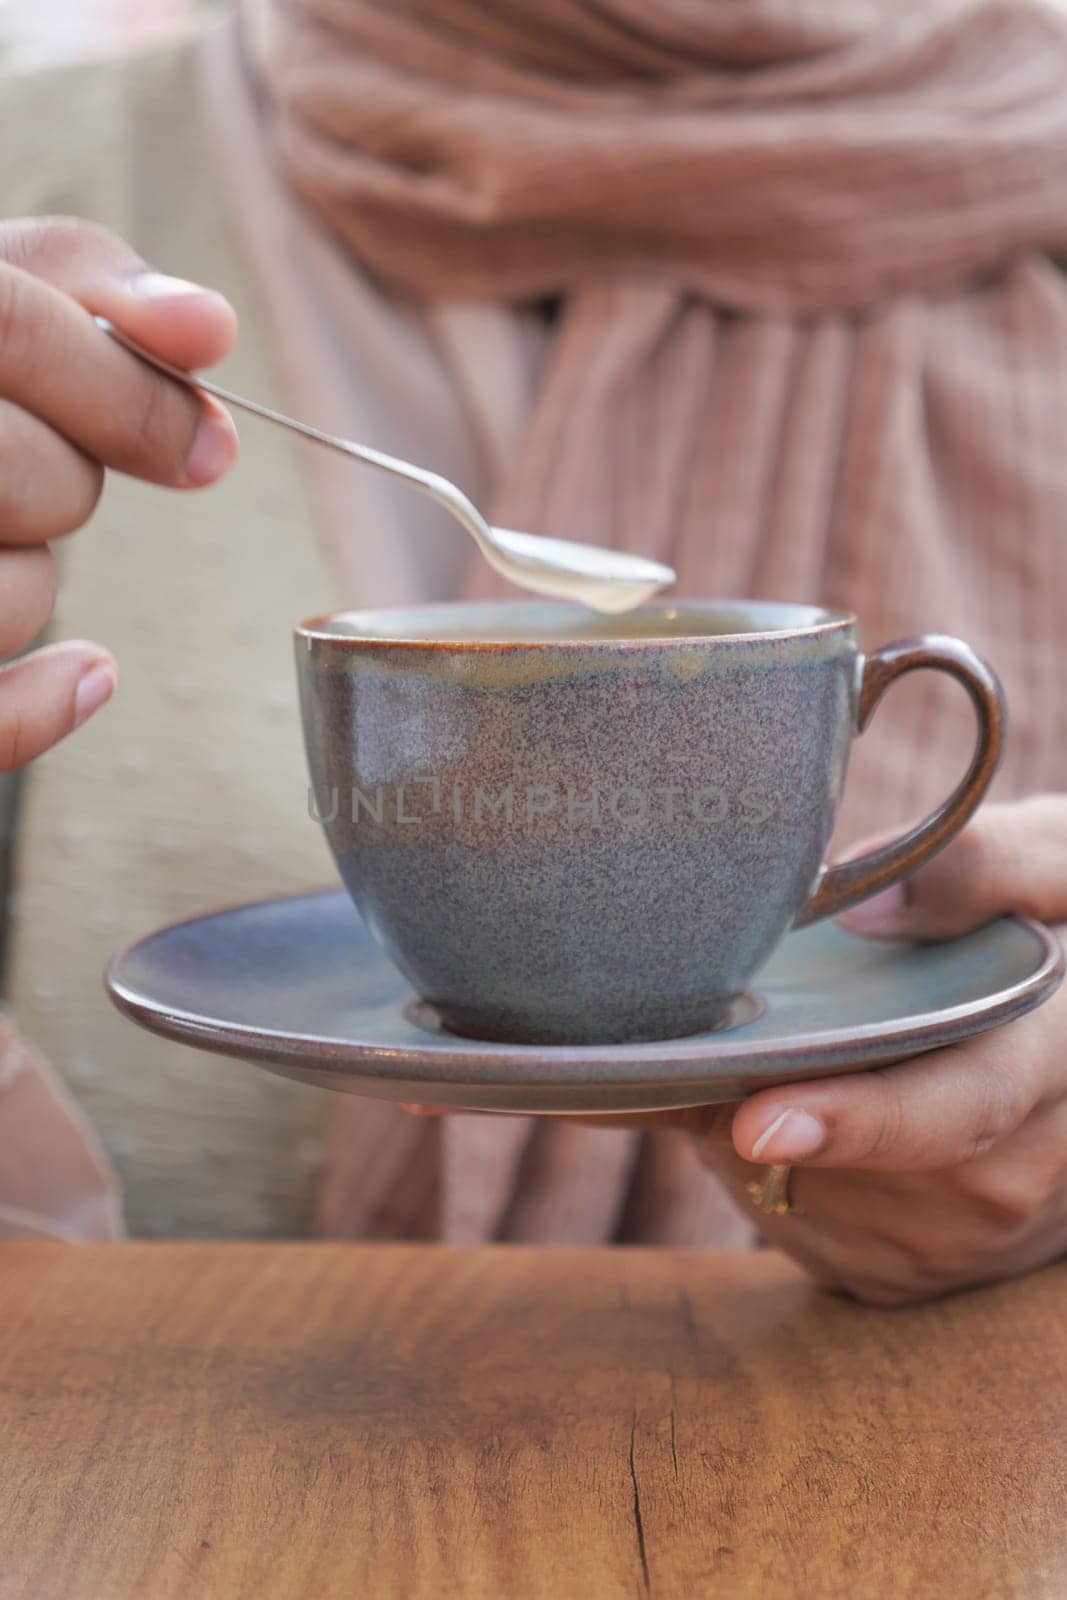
(567, 828)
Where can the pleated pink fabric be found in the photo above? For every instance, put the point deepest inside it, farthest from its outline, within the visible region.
(811, 339)
(55, 1179)
(811, 344)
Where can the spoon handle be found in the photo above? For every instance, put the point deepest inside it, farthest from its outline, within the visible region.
(548, 566)
(429, 482)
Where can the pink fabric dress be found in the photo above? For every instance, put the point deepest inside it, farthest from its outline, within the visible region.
(810, 342)
(806, 339)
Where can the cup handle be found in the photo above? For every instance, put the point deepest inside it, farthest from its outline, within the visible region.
(841, 886)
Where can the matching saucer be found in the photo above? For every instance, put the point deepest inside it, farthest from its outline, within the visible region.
(299, 986)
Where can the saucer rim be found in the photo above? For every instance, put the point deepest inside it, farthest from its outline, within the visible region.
(692, 1057)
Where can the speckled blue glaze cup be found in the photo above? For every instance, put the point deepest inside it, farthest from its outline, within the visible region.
(567, 828)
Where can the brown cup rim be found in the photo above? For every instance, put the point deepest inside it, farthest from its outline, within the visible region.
(316, 629)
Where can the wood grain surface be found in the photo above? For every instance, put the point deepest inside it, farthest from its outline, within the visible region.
(319, 1421)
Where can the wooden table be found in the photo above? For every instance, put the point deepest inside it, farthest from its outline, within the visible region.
(186, 1421)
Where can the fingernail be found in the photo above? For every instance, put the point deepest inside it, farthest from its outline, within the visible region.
(882, 913)
(160, 286)
(792, 1136)
(214, 449)
(95, 688)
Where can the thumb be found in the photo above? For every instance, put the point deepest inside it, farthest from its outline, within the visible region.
(1010, 858)
(186, 323)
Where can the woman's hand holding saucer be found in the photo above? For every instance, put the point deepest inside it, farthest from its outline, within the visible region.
(944, 1171)
(72, 403)
(949, 1169)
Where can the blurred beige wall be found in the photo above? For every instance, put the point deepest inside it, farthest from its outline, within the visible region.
(37, 31)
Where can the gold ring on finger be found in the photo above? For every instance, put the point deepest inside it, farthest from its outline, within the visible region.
(773, 1194)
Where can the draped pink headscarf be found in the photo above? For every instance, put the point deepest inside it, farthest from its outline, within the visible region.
(811, 342)
(811, 336)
